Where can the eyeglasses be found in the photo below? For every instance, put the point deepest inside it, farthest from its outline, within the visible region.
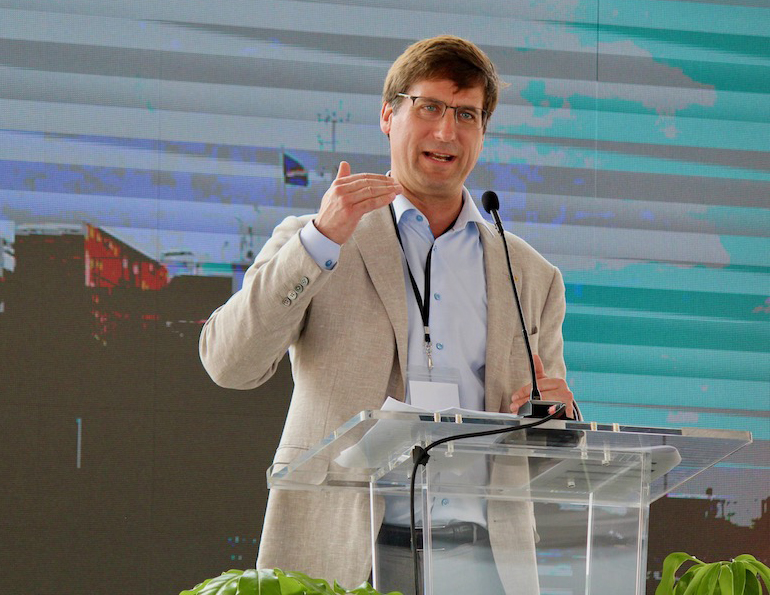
(434, 109)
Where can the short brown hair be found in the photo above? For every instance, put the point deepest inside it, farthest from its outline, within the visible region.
(443, 57)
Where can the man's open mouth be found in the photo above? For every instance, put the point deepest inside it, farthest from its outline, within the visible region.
(439, 156)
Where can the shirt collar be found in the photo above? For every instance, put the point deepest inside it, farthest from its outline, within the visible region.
(469, 213)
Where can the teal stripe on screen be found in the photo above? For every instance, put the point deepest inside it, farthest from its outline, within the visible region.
(751, 221)
(686, 16)
(668, 391)
(690, 45)
(658, 360)
(750, 250)
(733, 306)
(664, 277)
(678, 333)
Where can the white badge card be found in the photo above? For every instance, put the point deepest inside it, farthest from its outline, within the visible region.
(433, 389)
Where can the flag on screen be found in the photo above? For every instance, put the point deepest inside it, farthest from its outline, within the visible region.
(294, 173)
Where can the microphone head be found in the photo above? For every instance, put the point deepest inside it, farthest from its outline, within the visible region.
(490, 202)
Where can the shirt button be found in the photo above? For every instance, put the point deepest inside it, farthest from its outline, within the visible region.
(419, 218)
(437, 296)
(328, 264)
(292, 295)
(439, 346)
(305, 281)
(444, 502)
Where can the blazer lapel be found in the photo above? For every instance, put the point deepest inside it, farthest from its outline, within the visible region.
(376, 241)
(502, 320)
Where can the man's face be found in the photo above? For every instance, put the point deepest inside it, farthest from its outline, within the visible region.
(432, 159)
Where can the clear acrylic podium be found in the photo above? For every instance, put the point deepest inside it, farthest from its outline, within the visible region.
(566, 503)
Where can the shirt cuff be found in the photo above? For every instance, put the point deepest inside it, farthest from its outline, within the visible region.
(324, 251)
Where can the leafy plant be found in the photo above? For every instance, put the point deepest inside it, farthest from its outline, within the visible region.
(736, 577)
(273, 582)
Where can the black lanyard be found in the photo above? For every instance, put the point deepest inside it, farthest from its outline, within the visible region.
(423, 302)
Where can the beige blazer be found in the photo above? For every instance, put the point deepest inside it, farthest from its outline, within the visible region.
(346, 332)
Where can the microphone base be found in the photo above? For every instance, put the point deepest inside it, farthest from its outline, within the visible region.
(539, 409)
(552, 437)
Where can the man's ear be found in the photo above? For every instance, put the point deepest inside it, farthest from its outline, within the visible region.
(386, 116)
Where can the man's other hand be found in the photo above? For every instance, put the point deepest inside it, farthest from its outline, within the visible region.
(349, 198)
(551, 389)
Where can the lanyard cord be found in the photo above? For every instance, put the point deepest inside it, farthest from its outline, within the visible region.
(423, 305)
(423, 302)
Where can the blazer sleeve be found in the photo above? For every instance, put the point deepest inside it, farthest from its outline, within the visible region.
(243, 341)
(551, 341)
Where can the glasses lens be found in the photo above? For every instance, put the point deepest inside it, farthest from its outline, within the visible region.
(469, 116)
(434, 109)
(429, 109)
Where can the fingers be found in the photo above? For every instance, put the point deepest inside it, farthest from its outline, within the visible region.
(344, 170)
(539, 369)
(520, 397)
(551, 389)
(556, 389)
(357, 195)
(349, 198)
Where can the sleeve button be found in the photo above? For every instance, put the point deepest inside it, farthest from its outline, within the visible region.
(299, 289)
(286, 301)
(304, 281)
(292, 295)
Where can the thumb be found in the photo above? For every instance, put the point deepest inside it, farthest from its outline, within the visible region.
(344, 170)
(539, 369)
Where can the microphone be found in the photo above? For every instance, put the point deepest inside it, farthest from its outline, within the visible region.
(536, 406)
(490, 202)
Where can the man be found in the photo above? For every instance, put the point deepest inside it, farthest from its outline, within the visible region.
(344, 292)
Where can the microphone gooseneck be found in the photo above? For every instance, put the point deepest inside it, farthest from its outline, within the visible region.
(491, 205)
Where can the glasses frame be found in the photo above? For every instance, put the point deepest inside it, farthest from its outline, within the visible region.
(484, 113)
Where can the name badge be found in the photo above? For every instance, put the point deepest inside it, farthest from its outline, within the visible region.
(433, 389)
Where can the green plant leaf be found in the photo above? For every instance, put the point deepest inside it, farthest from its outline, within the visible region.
(702, 579)
(684, 581)
(710, 581)
(668, 575)
(313, 586)
(267, 582)
(366, 589)
(224, 584)
(739, 577)
(248, 583)
(757, 567)
(288, 585)
(752, 584)
(725, 580)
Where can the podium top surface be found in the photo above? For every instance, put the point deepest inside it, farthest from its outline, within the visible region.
(567, 461)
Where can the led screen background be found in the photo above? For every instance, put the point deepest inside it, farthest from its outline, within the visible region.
(148, 149)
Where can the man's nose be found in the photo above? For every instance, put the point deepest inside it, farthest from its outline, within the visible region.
(446, 127)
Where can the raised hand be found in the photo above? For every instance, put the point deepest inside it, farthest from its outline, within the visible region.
(551, 389)
(349, 198)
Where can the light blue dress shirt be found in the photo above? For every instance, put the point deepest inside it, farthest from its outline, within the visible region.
(458, 317)
(458, 300)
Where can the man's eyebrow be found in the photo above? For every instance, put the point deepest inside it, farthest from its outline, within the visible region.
(445, 103)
